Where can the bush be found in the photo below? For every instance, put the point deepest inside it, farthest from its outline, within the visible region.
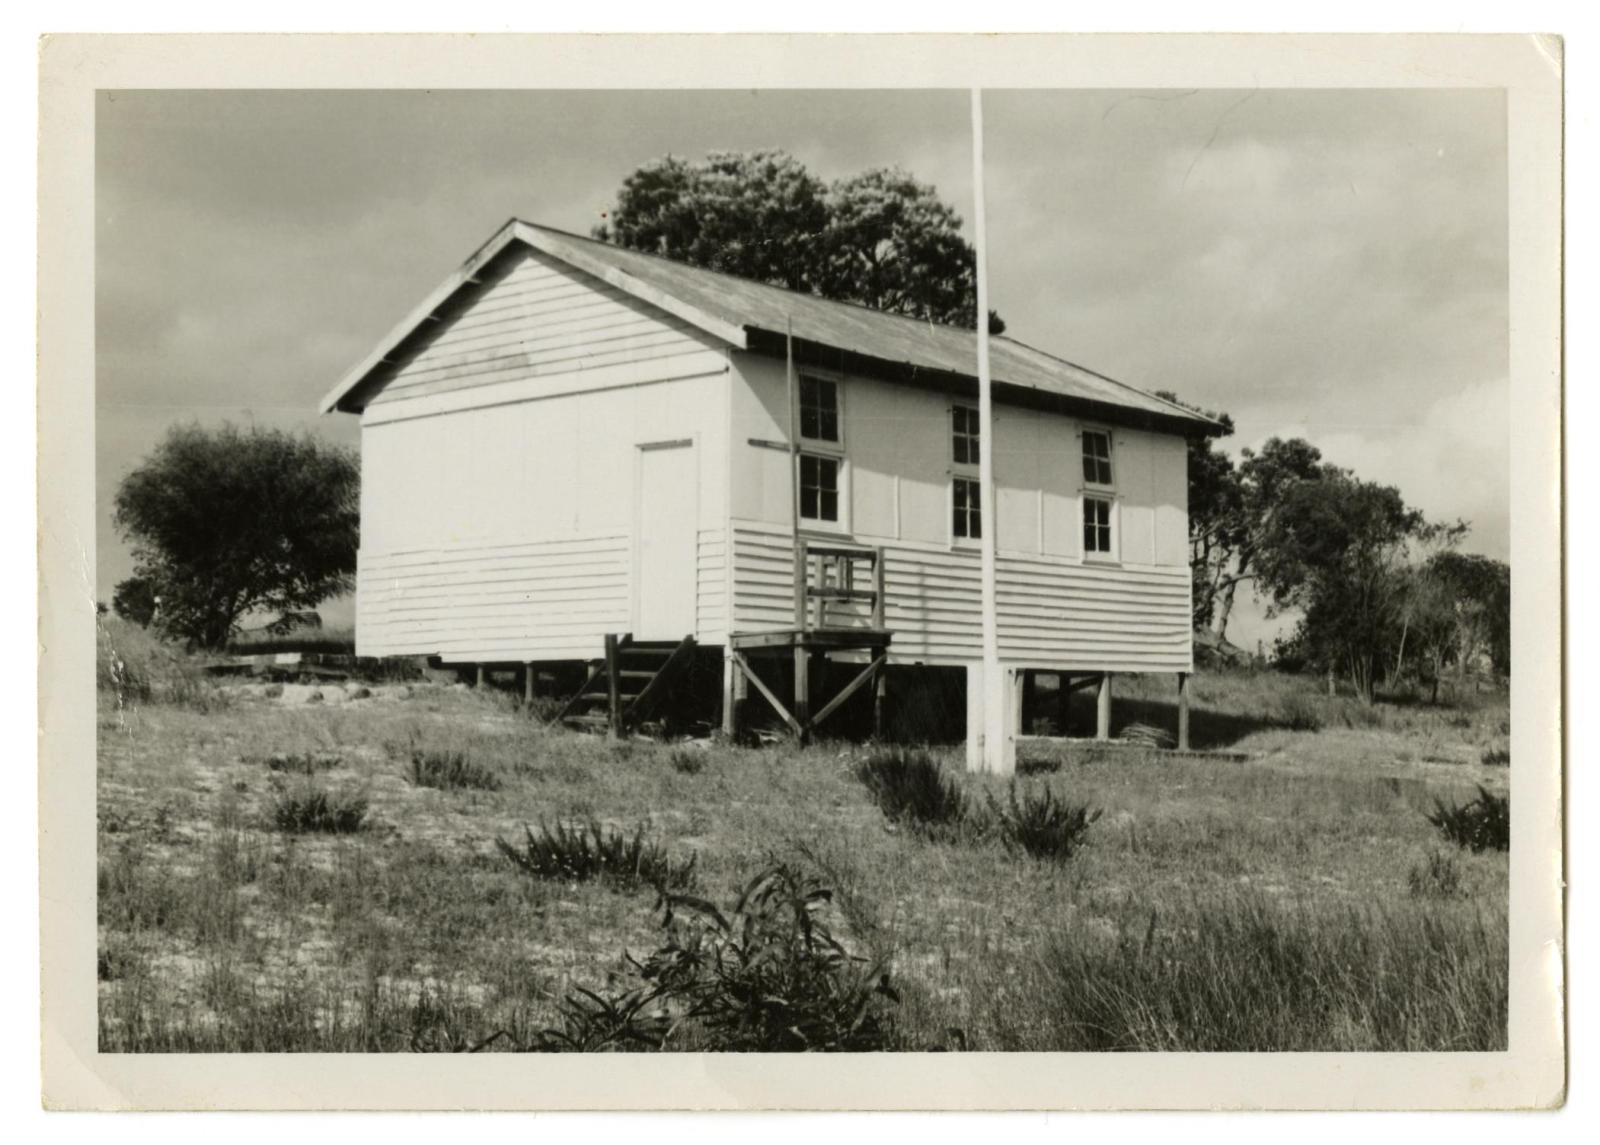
(1484, 824)
(911, 789)
(1439, 877)
(450, 771)
(136, 666)
(1040, 824)
(1497, 757)
(584, 851)
(314, 811)
(768, 976)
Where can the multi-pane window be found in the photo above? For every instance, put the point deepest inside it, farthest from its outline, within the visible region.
(964, 435)
(1096, 525)
(967, 507)
(1096, 457)
(819, 488)
(819, 409)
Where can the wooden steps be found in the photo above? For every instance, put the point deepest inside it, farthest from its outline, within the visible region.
(626, 684)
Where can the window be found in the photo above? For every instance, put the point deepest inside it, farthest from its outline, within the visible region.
(1096, 457)
(964, 435)
(967, 504)
(819, 488)
(1096, 525)
(819, 409)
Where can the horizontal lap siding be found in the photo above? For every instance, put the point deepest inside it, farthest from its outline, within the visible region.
(538, 601)
(1052, 613)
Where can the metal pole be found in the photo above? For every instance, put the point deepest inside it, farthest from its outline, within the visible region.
(997, 737)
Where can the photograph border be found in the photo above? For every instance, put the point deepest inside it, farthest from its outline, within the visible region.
(1531, 1073)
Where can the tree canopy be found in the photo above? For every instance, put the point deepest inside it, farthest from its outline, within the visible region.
(879, 238)
(226, 522)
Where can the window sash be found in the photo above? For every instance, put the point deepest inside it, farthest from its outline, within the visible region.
(1096, 457)
(819, 488)
(1096, 526)
(819, 409)
(966, 509)
(964, 435)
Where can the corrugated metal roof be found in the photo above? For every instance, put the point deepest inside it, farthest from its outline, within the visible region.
(724, 301)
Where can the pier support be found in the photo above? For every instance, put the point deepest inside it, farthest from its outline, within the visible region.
(1102, 719)
(1183, 711)
(986, 693)
(527, 684)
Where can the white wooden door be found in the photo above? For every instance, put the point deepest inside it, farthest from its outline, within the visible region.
(666, 513)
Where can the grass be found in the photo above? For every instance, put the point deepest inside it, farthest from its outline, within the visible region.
(913, 790)
(314, 810)
(1281, 886)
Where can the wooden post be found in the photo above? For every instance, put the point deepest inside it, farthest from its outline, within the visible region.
(527, 684)
(1027, 699)
(802, 690)
(1183, 711)
(801, 573)
(480, 676)
(1063, 702)
(880, 701)
(878, 579)
(1102, 721)
(613, 685)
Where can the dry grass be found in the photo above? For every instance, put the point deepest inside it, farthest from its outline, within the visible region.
(1252, 905)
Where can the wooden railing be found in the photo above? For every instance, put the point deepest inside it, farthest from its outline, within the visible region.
(827, 574)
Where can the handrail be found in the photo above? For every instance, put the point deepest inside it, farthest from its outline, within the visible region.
(832, 568)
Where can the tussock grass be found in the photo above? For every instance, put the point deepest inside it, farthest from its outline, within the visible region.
(1483, 824)
(579, 852)
(450, 771)
(1250, 975)
(1039, 824)
(911, 789)
(1439, 877)
(312, 810)
(303, 762)
(686, 761)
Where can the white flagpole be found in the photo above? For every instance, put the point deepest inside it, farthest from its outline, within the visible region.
(997, 752)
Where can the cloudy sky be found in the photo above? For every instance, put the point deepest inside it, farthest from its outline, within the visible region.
(1316, 263)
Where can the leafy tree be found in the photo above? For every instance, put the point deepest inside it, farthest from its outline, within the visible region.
(879, 238)
(1215, 513)
(1477, 590)
(135, 600)
(1337, 549)
(226, 522)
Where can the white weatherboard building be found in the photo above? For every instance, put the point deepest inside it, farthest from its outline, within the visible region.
(570, 441)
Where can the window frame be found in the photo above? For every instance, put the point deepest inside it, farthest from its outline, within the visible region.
(819, 444)
(1110, 458)
(840, 491)
(968, 471)
(1111, 554)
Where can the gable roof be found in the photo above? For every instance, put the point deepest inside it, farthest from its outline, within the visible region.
(751, 315)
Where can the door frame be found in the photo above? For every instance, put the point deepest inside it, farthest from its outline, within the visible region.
(691, 442)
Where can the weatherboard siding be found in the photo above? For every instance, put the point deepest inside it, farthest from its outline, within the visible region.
(498, 501)
(1055, 608)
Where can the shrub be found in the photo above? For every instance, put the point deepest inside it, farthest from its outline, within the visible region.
(687, 762)
(450, 771)
(136, 666)
(314, 811)
(1439, 877)
(583, 851)
(1497, 757)
(768, 976)
(1483, 824)
(1040, 824)
(911, 789)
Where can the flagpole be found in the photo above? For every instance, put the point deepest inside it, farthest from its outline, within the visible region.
(995, 752)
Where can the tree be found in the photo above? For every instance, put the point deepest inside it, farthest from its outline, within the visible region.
(1337, 549)
(1215, 517)
(135, 600)
(227, 522)
(879, 238)
(1478, 592)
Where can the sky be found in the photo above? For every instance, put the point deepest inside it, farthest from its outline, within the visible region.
(1323, 264)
